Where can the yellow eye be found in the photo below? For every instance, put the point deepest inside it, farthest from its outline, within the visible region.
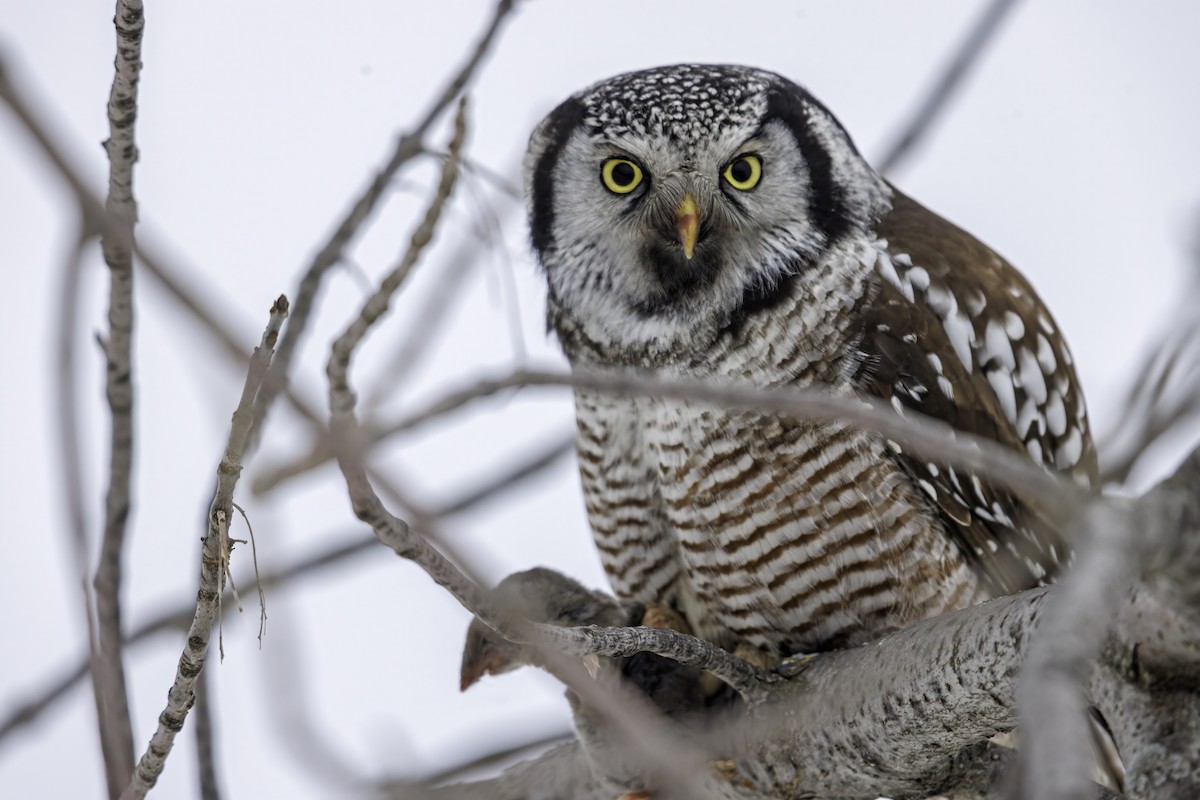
(620, 175)
(744, 172)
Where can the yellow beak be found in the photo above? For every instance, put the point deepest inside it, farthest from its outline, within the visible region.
(687, 224)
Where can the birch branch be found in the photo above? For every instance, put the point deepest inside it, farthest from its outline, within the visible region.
(212, 577)
(117, 244)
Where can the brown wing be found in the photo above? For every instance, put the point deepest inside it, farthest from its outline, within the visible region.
(954, 331)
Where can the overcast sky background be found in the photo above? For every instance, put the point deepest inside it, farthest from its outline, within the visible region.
(1075, 151)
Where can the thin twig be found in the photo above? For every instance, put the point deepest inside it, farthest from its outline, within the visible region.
(931, 107)
(117, 246)
(501, 182)
(423, 326)
(1162, 398)
(258, 584)
(191, 661)
(410, 145)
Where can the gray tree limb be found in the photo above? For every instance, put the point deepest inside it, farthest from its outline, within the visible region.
(911, 429)
(893, 718)
(108, 676)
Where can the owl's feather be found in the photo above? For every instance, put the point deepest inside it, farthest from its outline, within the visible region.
(947, 293)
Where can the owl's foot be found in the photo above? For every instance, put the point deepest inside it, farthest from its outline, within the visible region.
(758, 656)
(641, 794)
(665, 617)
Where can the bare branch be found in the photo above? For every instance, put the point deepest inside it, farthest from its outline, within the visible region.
(411, 345)
(117, 244)
(913, 431)
(410, 145)
(182, 692)
(491, 758)
(931, 107)
(562, 772)
(1055, 762)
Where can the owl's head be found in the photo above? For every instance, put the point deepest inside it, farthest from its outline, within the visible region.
(667, 205)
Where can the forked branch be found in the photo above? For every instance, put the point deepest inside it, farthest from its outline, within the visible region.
(182, 693)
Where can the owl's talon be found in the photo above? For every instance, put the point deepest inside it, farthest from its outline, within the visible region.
(591, 663)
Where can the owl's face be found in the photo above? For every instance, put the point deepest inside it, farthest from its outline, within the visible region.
(668, 204)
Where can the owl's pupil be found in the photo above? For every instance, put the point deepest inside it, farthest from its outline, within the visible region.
(623, 174)
(741, 170)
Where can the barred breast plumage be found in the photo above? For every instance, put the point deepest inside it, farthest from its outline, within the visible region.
(716, 223)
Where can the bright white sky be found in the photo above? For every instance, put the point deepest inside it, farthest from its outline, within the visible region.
(1074, 153)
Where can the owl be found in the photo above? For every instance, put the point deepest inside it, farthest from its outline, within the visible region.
(717, 223)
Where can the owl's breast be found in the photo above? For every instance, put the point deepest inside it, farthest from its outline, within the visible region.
(796, 535)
